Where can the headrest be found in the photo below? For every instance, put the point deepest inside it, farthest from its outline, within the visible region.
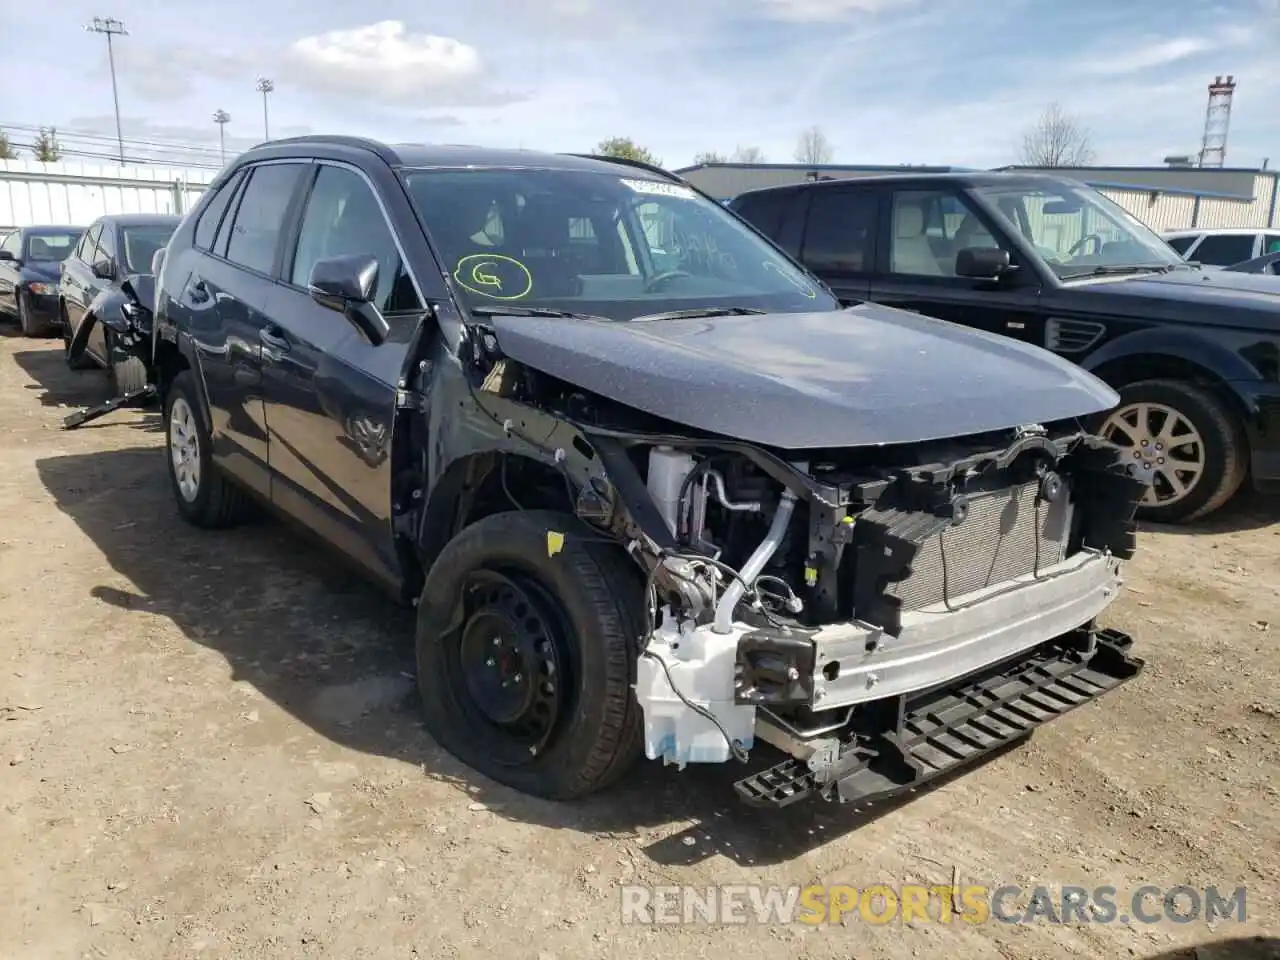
(908, 221)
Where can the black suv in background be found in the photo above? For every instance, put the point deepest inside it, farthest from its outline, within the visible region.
(652, 489)
(1194, 354)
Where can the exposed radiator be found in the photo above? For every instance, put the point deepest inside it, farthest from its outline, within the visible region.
(1008, 533)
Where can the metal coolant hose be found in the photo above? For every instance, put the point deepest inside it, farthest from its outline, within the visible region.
(751, 569)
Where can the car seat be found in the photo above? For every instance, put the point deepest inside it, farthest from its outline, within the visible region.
(910, 251)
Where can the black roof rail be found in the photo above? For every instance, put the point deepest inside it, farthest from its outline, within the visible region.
(335, 140)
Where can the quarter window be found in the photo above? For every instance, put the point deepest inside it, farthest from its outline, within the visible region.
(211, 216)
(89, 249)
(343, 218)
(106, 246)
(260, 217)
(1182, 244)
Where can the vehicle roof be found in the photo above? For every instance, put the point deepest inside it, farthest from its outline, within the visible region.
(428, 155)
(961, 179)
(141, 219)
(50, 228)
(1209, 231)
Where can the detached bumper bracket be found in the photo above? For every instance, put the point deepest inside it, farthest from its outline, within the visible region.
(948, 727)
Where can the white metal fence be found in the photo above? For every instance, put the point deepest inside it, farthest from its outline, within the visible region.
(74, 194)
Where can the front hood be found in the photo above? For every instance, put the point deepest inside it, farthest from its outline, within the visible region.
(41, 272)
(866, 375)
(1216, 296)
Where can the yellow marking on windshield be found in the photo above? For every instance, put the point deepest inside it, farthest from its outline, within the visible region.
(795, 281)
(494, 276)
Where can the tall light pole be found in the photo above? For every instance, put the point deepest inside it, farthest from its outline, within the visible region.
(265, 86)
(222, 118)
(112, 27)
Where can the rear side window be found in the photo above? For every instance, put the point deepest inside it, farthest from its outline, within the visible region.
(1224, 249)
(764, 211)
(1182, 244)
(839, 234)
(259, 217)
(207, 226)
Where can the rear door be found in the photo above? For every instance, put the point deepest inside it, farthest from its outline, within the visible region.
(330, 394)
(839, 239)
(76, 277)
(922, 229)
(226, 299)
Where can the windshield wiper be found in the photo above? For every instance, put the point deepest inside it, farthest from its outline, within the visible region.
(1109, 269)
(703, 312)
(486, 311)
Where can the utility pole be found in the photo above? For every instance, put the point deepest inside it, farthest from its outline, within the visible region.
(222, 118)
(265, 86)
(111, 27)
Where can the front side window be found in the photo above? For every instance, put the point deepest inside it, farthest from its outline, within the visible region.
(343, 217)
(12, 244)
(600, 243)
(141, 243)
(1076, 230)
(260, 216)
(51, 247)
(1224, 249)
(1272, 243)
(929, 228)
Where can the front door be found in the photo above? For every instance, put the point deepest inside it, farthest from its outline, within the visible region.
(78, 280)
(12, 245)
(922, 230)
(330, 394)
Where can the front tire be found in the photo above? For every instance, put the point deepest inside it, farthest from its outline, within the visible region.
(1187, 440)
(127, 373)
(526, 655)
(204, 496)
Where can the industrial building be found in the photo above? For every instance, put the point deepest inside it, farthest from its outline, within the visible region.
(1165, 198)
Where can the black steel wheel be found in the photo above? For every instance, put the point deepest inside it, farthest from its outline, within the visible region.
(511, 658)
(526, 656)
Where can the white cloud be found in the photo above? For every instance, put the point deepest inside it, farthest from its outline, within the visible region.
(386, 61)
(1159, 53)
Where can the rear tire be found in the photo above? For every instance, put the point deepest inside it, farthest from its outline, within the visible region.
(205, 497)
(499, 620)
(1213, 447)
(31, 326)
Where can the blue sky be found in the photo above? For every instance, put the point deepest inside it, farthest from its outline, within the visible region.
(889, 81)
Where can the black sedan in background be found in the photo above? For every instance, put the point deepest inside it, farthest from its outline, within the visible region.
(29, 269)
(106, 295)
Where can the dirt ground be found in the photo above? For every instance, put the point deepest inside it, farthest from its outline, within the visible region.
(209, 745)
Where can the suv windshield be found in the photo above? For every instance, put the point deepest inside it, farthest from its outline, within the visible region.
(141, 243)
(599, 243)
(50, 247)
(1077, 230)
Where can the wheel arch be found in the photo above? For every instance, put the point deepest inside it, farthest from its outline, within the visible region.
(1162, 355)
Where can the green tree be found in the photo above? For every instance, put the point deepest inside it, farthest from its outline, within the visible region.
(46, 149)
(626, 149)
(6, 149)
(709, 156)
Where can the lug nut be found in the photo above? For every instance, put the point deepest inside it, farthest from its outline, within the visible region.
(490, 662)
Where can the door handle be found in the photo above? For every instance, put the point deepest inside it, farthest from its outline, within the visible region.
(274, 342)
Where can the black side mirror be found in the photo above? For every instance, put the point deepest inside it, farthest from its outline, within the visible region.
(347, 284)
(982, 263)
(103, 270)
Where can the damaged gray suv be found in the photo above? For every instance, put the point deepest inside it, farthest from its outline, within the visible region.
(651, 489)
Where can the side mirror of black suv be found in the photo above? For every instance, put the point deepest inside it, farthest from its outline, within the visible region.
(982, 263)
(347, 284)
